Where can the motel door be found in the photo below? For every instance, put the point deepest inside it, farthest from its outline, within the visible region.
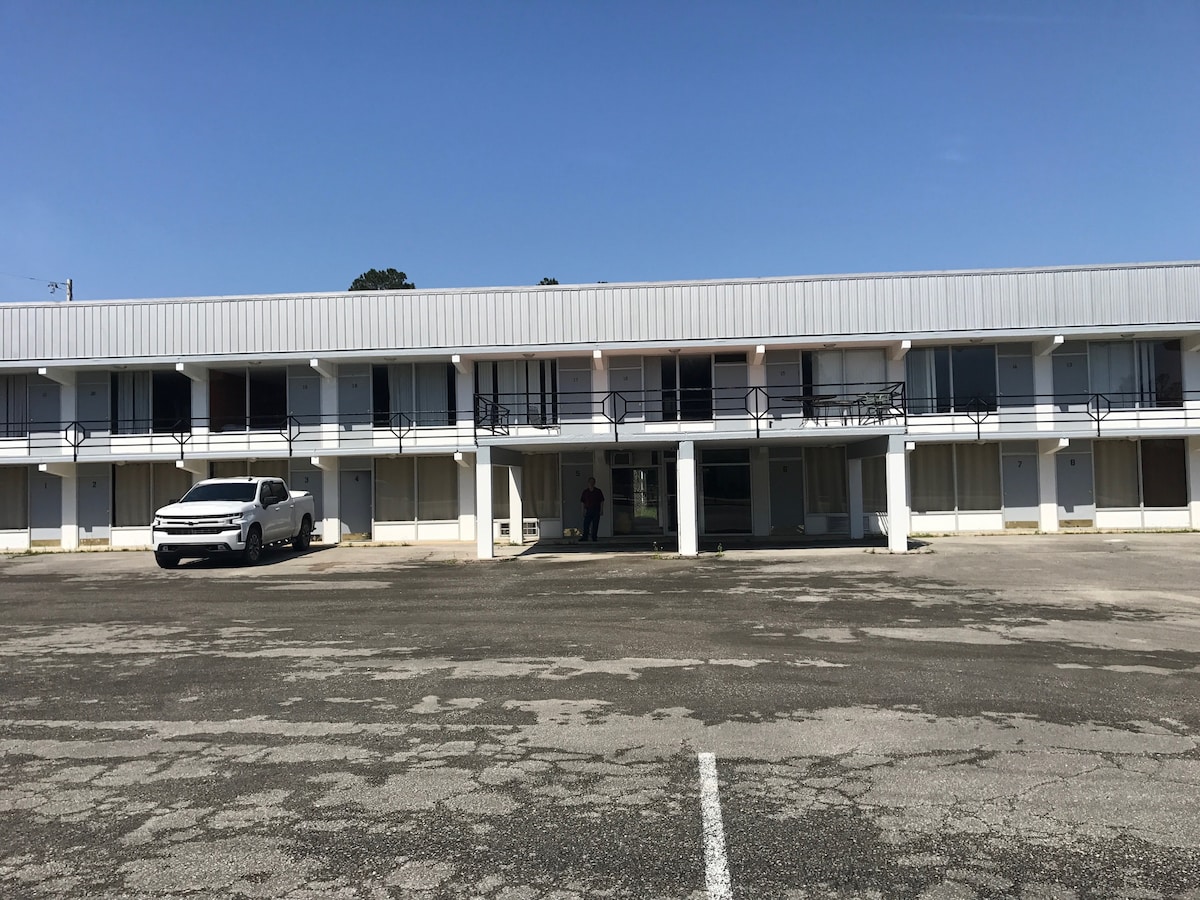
(1020, 489)
(1076, 501)
(354, 504)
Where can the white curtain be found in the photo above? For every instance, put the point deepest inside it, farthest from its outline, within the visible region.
(431, 406)
(437, 488)
(978, 476)
(540, 485)
(932, 470)
(825, 479)
(14, 405)
(1116, 474)
(133, 403)
(395, 492)
(168, 483)
(131, 487)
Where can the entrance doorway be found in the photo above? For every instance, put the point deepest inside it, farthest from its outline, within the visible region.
(644, 487)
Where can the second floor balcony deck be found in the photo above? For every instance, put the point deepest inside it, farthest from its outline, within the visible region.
(837, 414)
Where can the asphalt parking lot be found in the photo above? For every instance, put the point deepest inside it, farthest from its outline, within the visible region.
(993, 717)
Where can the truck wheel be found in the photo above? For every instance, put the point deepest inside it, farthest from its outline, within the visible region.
(253, 551)
(166, 560)
(301, 541)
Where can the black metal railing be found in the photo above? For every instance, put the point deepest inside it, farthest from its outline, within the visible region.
(879, 405)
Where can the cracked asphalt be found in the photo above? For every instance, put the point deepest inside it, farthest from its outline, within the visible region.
(1001, 717)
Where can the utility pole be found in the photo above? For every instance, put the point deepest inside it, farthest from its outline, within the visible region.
(70, 290)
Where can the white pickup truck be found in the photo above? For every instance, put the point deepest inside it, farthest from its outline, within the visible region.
(232, 515)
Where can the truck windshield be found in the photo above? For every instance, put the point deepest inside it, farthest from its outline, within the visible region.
(243, 491)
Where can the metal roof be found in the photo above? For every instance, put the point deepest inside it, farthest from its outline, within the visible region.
(864, 307)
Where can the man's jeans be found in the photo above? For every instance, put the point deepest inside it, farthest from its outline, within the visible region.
(591, 524)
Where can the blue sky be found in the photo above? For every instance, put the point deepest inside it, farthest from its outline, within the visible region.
(178, 148)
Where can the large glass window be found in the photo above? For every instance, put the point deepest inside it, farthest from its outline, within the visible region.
(413, 393)
(932, 471)
(955, 477)
(145, 402)
(247, 398)
(141, 488)
(395, 489)
(437, 488)
(14, 497)
(14, 406)
(725, 475)
(411, 488)
(1150, 473)
(825, 480)
(1164, 473)
(1116, 470)
(1136, 373)
(874, 478)
(522, 391)
(951, 379)
(541, 485)
(977, 476)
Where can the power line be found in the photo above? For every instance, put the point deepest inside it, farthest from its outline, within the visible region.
(52, 283)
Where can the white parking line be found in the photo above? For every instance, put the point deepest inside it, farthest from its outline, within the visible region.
(716, 867)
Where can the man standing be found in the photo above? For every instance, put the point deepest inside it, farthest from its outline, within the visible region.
(592, 500)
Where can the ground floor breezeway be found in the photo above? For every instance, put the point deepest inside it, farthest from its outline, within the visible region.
(672, 492)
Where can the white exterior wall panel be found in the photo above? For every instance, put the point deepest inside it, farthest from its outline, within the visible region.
(936, 303)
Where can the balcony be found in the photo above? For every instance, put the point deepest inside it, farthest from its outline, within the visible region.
(731, 411)
(837, 413)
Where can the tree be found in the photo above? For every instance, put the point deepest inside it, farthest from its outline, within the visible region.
(548, 281)
(387, 280)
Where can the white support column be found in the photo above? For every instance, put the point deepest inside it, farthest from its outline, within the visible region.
(1193, 466)
(689, 520)
(464, 395)
(466, 496)
(896, 473)
(483, 504)
(1048, 483)
(199, 388)
(855, 479)
(331, 521)
(516, 513)
(69, 503)
(1043, 387)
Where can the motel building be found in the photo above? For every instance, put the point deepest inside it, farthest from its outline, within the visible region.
(859, 407)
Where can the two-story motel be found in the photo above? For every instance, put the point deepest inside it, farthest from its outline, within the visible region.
(861, 405)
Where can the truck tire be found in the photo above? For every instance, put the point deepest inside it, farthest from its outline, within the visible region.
(253, 550)
(166, 560)
(303, 539)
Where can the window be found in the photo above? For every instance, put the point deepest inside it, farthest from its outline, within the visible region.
(14, 406)
(150, 402)
(437, 488)
(141, 488)
(541, 485)
(395, 489)
(413, 393)
(874, 484)
(951, 379)
(1147, 473)
(955, 477)
(417, 488)
(14, 497)
(825, 479)
(1137, 373)
(526, 390)
(242, 399)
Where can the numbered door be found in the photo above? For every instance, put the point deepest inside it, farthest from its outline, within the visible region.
(1076, 500)
(354, 405)
(354, 504)
(575, 401)
(94, 504)
(787, 496)
(574, 480)
(1020, 490)
(45, 416)
(45, 509)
